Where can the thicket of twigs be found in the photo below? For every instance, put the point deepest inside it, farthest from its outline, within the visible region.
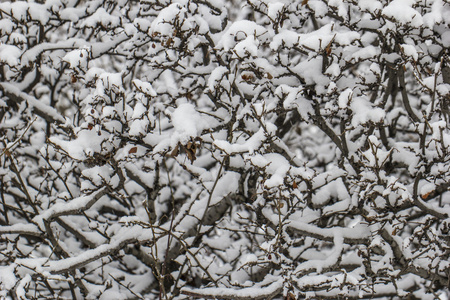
(239, 150)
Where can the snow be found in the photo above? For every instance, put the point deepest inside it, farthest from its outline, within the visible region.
(402, 12)
(217, 75)
(109, 81)
(21, 10)
(320, 9)
(29, 229)
(341, 7)
(410, 50)
(334, 189)
(161, 25)
(286, 37)
(331, 259)
(72, 14)
(187, 121)
(345, 98)
(85, 145)
(227, 184)
(247, 292)
(358, 232)
(97, 174)
(250, 145)
(39, 106)
(123, 237)
(278, 167)
(144, 87)
(370, 5)
(74, 206)
(20, 290)
(249, 46)
(9, 54)
(274, 9)
(6, 26)
(365, 53)
(101, 17)
(286, 159)
(138, 111)
(318, 39)
(77, 58)
(436, 14)
(7, 280)
(311, 71)
(365, 112)
(239, 31)
(138, 127)
(333, 70)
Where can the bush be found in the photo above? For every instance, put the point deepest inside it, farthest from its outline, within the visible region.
(224, 150)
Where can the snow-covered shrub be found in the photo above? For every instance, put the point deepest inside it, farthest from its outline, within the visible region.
(258, 149)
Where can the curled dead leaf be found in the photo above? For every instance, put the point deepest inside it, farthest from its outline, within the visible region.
(328, 49)
(290, 296)
(425, 196)
(169, 42)
(191, 154)
(247, 77)
(175, 151)
(132, 150)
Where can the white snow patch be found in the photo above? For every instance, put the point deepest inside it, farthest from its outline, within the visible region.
(402, 12)
(274, 10)
(187, 122)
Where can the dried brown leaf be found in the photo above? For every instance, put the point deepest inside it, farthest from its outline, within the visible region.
(132, 150)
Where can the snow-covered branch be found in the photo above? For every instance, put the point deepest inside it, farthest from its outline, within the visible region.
(253, 149)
